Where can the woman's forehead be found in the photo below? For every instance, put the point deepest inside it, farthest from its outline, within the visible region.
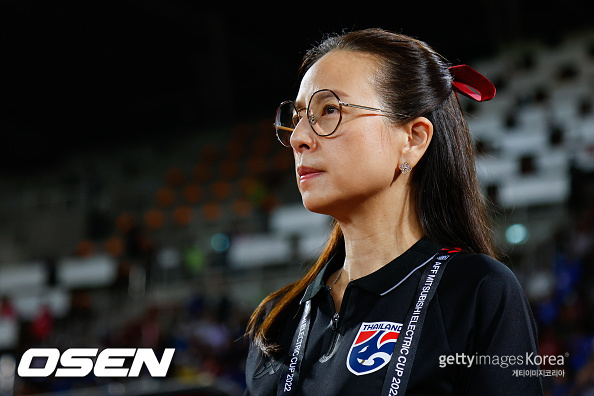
(350, 73)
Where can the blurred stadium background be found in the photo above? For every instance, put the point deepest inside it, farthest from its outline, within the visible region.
(144, 200)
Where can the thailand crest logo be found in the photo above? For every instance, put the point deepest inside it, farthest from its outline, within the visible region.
(372, 347)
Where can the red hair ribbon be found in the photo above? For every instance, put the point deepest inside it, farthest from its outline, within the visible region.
(471, 83)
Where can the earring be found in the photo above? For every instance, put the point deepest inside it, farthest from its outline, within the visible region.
(405, 168)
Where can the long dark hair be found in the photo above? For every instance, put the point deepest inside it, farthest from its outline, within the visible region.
(412, 79)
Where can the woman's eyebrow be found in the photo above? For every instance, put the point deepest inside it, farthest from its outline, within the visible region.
(341, 94)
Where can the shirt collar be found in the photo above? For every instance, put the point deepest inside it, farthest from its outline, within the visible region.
(384, 279)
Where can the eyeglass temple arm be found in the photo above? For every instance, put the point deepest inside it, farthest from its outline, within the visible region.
(284, 128)
(373, 109)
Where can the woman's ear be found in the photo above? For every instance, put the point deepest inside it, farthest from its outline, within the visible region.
(419, 134)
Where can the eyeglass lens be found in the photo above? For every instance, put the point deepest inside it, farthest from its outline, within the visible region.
(285, 122)
(324, 115)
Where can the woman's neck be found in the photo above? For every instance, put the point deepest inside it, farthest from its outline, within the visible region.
(374, 237)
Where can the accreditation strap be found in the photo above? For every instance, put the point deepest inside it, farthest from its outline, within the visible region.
(290, 378)
(406, 345)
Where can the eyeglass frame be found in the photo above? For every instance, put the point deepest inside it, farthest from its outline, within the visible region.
(309, 117)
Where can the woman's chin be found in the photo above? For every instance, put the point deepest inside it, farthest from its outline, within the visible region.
(337, 204)
(326, 204)
(316, 204)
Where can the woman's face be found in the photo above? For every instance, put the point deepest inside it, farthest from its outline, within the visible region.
(358, 163)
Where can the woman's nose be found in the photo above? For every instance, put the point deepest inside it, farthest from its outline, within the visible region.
(303, 137)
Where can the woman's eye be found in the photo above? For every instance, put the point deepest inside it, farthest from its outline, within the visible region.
(330, 110)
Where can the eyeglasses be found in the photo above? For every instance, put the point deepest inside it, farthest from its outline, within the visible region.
(324, 113)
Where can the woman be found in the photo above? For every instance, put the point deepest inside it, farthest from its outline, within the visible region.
(381, 145)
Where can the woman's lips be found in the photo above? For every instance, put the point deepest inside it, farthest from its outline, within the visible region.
(307, 172)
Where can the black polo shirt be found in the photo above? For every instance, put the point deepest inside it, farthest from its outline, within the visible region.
(479, 309)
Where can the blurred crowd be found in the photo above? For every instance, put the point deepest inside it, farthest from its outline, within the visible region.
(565, 315)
